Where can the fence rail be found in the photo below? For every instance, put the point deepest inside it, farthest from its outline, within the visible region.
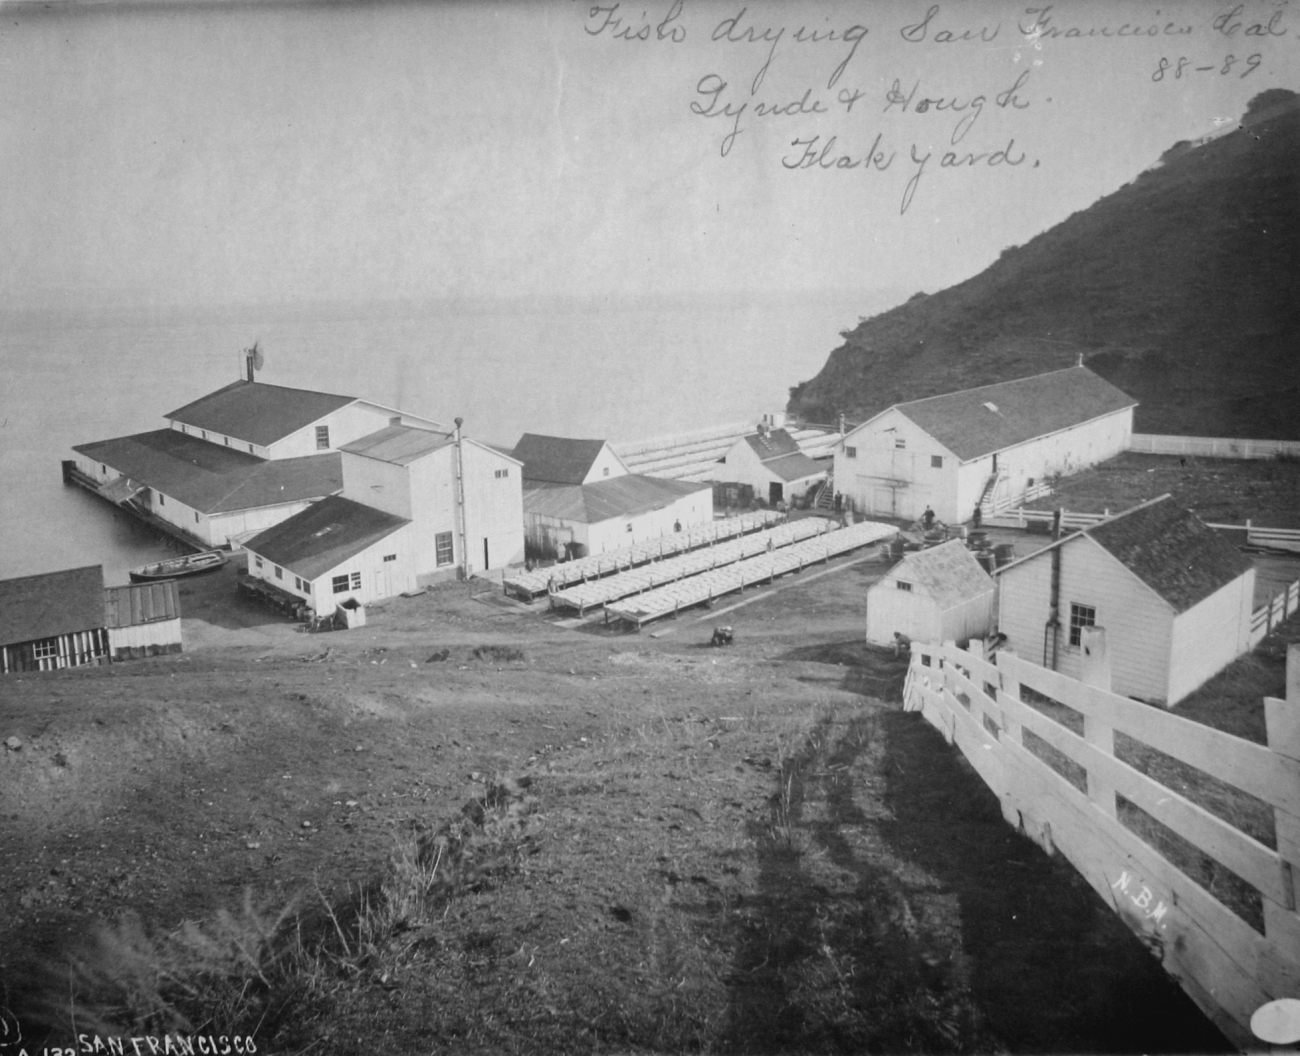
(1273, 612)
(1211, 446)
(1224, 962)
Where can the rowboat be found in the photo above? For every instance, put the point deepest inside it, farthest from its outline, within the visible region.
(176, 567)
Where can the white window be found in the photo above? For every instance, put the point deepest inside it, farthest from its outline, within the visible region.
(1081, 616)
(162, 499)
(936, 461)
(46, 649)
(443, 548)
(340, 584)
(390, 557)
(901, 585)
(900, 443)
(322, 437)
(501, 473)
(850, 452)
(605, 472)
(356, 580)
(257, 560)
(279, 572)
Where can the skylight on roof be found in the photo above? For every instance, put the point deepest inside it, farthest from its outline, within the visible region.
(328, 528)
(992, 407)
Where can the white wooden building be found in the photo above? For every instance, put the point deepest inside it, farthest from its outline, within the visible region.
(771, 462)
(579, 498)
(581, 519)
(936, 595)
(1173, 597)
(463, 498)
(275, 421)
(336, 551)
(235, 461)
(211, 493)
(951, 452)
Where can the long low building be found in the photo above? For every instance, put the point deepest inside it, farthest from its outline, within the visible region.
(209, 492)
(333, 552)
(611, 514)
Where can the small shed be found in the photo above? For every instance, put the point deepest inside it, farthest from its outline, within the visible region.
(53, 620)
(143, 619)
(935, 595)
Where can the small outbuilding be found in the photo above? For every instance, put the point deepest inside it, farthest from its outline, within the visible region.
(935, 595)
(1172, 596)
(143, 619)
(53, 620)
(771, 462)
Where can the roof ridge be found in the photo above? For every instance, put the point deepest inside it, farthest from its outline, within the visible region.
(996, 384)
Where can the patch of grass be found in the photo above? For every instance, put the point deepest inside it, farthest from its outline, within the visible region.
(271, 972)
(498, 654)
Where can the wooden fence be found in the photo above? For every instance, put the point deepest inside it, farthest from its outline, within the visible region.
(1211, 446)
(1225, 963)
(1277, 609)
(1270, 538)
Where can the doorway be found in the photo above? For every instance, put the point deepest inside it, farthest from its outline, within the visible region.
(775, 492)
(486, 563)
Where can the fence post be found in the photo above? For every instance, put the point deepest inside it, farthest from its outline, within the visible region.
(1282, 720)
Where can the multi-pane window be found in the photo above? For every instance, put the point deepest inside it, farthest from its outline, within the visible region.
(903, 585)
(390, 557)
(279, 572)
(1081, 616)
(340, 583)
(501, 473)
(850, 452)
(900, 443)
(297, 583)
(162, 499)
(322, 437)
(257, 560)
(936, 461)
(47, 649)
(442, 548)
(356, 580)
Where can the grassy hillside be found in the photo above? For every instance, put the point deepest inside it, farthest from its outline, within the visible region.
(1182, 288)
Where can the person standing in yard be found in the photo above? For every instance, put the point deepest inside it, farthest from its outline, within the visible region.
(927, 519)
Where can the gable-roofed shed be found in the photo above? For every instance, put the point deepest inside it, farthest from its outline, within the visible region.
(53, 620)
(934, 595)
(567, 460)
(1173, 597)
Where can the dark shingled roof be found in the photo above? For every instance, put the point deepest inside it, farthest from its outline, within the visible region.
(213, 478)
(323, 536)
(399, 444)
(256, 412)
(1024, 409)
(948, 572)
(1172, 551)
(772, 444)
(556, 459)
(51, 604)
(624, 496)
(794, 466)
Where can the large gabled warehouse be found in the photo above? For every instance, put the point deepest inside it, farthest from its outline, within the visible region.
(994, 442)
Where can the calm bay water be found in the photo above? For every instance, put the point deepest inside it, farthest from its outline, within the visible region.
(616, 370)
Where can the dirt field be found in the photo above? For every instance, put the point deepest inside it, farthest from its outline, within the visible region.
(1220, 490)
(743, 849)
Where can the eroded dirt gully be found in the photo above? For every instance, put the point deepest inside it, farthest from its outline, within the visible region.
(748, 849)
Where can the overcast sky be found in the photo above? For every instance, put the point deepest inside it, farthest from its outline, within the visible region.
(211, 153)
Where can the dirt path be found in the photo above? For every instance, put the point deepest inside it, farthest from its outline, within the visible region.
(748, 849)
